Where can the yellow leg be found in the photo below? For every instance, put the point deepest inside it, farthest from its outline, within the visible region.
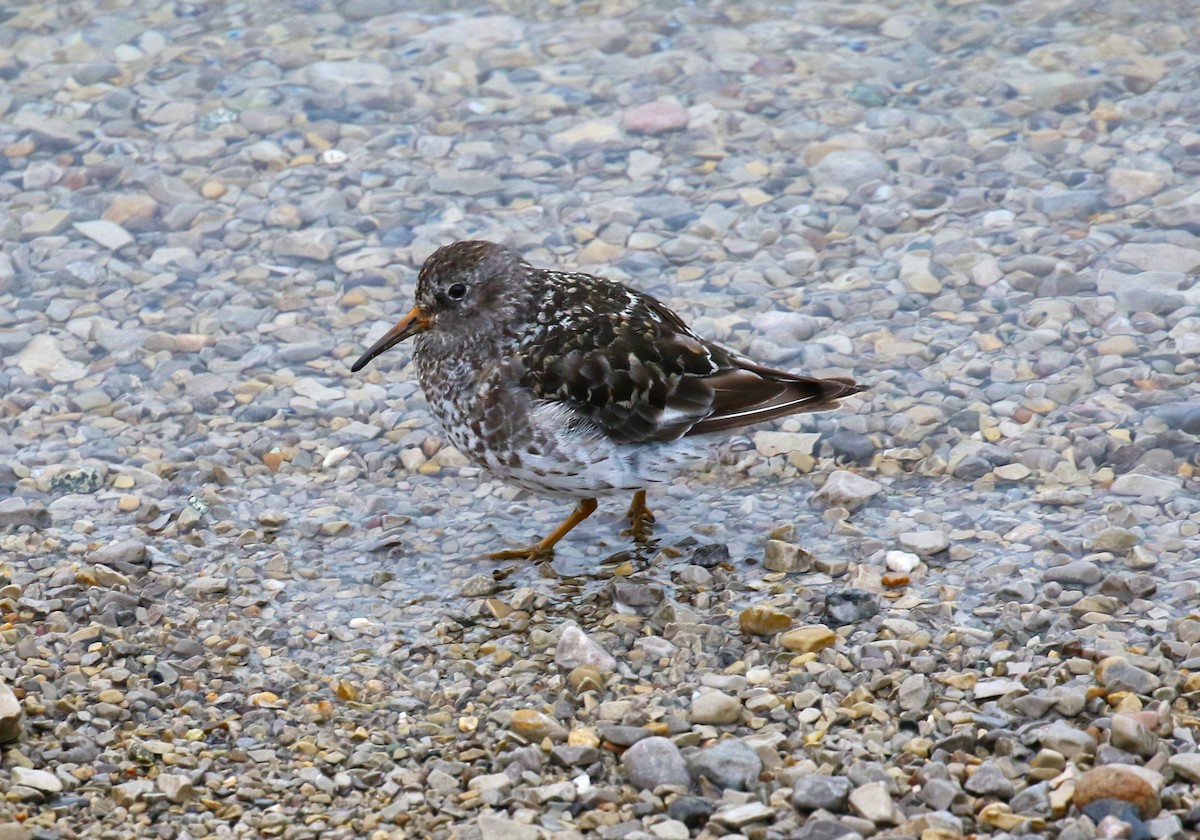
(545, 548)
(640, 518)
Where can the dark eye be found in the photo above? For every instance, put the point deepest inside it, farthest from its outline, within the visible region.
(457, 291)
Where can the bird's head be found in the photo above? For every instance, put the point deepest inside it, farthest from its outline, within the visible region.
(460, 287)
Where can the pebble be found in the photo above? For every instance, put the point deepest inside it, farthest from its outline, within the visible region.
(812, 792)
(226, 543)
(40, 780)
(1116, 673)
(657, 117)
(1125, 782)
(847, 490)
(872, 802)
(10, 715)
(729, 764)
(715, 707)
(808, 639)
(653, 762)
(924, 543)
(575, 648)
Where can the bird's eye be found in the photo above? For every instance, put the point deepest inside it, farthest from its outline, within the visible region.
(457, 291)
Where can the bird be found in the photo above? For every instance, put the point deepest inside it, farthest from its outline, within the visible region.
(571, 385)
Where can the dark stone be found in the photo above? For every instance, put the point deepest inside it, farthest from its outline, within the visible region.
(852, 446)
(849, 606)
(713, 554)
(1126, 812)
(730, 764)
(816, 791)
(692, 811)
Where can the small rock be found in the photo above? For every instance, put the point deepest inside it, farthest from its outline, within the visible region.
(763, 621)
(10, 715)
(813, 791)
(478, 586)
(1135, 484)
(42, 780)
(846, 489)
(1116, 673)
(1115, 539)
(850, 606)
(655, 761)
(692, 811)
(780, 556)
(812, 637)
(849, 168)
(1077, 571)
(1186, 765)
(15, 512)
(1129, 783)
(535, 726)
(498, 828)
(924, 543)
(109, 234)
(656, 117)
(989, 780)
(176, 786)
(873, 802)
(490, 782)
(206, 585)
(769, 444)
(715, 707)
(1129, 734)
(575, 649)
(1064, 738)
(310, 244)
(743, 815)
(915, 692)
(729, 764)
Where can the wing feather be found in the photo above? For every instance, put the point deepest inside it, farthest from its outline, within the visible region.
(635, 369)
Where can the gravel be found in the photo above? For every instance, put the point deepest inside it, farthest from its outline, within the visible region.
(241, 589)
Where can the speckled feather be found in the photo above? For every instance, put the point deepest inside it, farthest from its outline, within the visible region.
(575, 385)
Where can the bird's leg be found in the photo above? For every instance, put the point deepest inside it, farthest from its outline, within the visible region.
(640, 518)
(544, 550)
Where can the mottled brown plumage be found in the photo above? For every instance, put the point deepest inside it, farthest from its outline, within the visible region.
(573, 385)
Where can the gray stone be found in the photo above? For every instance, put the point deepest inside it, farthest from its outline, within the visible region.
(42, 780)
(655, 761)
(915, 692)
(1129, 734)
(10, 715)
(715, 707)
(109, 234)
(310, 244)
(1077, 571)
(846, 489)
(850, 168)
(1116, 673)
(813, 791)
(1064, 738)
(1154, 487)
(924, 543)
(729, 764)
(575, 648)
(1186, 766)
(989, 780)
(498, 828)
(873, 802)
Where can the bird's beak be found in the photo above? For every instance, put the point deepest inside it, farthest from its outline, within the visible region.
(416, 321)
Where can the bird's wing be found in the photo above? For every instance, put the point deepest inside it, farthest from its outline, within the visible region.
(633, 368)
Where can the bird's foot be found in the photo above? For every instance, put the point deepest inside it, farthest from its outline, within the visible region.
(641, 519)
(536, 552)
(544, 550)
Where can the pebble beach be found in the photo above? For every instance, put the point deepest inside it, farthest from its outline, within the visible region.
(244, 593)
